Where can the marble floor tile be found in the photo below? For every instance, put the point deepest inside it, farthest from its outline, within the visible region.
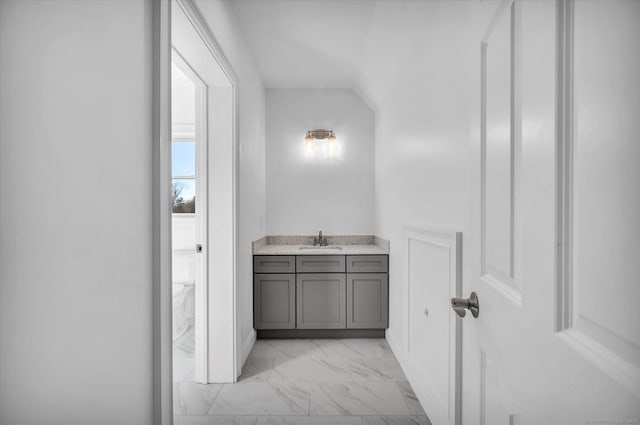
(183, 356)
(395, 420)
(281, 348)
(214, 420)
(285, 398)
(415, 408)
(307, 369)
(337, 382)
(191, 398)
(309, 420)
(351, 348)
(376, 369)
(334, 348)
(186, 344)
(357, 398)
(256, 369)
(370, 347)
(183, 368)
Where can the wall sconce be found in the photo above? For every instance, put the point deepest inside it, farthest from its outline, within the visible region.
(313, 136)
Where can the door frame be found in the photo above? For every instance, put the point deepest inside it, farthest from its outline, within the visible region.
(162, 344)
(201, 139)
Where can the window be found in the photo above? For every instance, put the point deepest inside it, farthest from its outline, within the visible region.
(183, 171)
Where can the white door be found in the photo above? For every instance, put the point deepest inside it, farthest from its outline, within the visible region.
(555, 247)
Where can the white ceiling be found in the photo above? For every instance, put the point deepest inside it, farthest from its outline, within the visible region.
(306, 43)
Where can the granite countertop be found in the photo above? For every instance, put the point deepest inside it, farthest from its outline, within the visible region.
(338, 245)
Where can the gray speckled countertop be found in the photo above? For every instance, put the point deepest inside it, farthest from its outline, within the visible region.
(338, 245)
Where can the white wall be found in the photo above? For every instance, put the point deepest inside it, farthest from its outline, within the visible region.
(75, 269)
(251, 173)
(75, 218)
(183, 232)
(307, 194)
(183, 102)
(416, 71)
(183, 242)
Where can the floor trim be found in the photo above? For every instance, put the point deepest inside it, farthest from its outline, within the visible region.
(247, 345)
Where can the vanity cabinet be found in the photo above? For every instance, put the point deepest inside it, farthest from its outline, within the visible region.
(302, 293)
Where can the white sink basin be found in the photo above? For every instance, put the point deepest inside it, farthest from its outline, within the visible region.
(320, 247)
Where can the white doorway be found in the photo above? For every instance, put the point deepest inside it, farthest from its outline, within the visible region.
(179, 28)
(189, 220)
(204, 192)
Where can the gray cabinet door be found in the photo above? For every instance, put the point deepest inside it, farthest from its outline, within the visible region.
(321, 301)
(320, 264)
(274, 301)
(367, 300)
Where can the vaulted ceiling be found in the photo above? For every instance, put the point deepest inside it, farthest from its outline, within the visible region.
(306, 43)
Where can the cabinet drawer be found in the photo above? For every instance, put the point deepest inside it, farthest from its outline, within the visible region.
(367, 263)
(320, 263)
(274, 264)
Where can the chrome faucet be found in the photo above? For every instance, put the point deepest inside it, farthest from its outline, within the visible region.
(320, 240)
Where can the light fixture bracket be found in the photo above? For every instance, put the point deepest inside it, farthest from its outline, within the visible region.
(320, 134)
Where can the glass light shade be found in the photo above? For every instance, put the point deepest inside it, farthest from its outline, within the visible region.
(333, 146)
(308, 145)
(327, 140)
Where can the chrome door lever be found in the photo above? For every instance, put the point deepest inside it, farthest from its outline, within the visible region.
(460, 304)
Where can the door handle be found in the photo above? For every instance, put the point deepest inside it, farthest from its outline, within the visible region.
(461, 305)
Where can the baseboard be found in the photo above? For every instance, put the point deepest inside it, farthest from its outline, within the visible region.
(393, 343)
(426, 395)
(247, 345)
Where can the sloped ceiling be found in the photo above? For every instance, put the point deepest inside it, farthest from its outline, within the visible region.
(306, 43)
